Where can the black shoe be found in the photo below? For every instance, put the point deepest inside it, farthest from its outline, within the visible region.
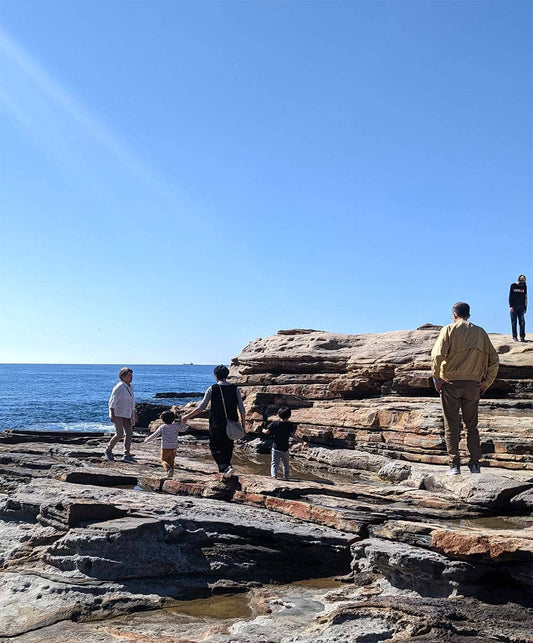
(515, 339)
(474, 467)
(523, 339)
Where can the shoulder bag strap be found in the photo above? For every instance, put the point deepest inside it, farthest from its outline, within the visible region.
(223, 401)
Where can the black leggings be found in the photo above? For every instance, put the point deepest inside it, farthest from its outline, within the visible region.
(221, 447)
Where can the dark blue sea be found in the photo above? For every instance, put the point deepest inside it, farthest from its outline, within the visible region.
(73, 397)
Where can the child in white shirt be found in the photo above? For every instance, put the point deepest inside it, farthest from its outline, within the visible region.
(168, 431)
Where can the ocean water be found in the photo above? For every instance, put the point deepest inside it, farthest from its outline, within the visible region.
(73, 397)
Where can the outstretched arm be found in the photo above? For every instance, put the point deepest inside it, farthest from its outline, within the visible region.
(201, 407)
(153, 435)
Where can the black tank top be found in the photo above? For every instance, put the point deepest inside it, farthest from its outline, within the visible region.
(216, 414)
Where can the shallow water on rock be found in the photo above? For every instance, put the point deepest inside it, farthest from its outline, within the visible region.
(498, 522)
(238, 606)
(259, 464)
(219, 606)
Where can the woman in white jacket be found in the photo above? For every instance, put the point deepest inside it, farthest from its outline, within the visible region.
(122, 414)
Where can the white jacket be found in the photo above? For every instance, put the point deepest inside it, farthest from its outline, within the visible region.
(122, 400)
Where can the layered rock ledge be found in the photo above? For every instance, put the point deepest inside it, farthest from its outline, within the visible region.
(94, 551)
(374, 392)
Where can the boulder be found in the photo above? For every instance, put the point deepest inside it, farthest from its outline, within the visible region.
(147, 413)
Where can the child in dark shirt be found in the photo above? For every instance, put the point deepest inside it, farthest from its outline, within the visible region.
(281, 431)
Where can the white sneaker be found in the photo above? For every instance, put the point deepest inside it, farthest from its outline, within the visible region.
(454, 471)
(228, 472)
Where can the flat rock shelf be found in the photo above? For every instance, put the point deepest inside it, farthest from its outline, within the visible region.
(369, 540)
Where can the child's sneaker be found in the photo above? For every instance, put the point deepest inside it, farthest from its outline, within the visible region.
(108, 455)
(128, 458)
(228, 472)
(170, 474)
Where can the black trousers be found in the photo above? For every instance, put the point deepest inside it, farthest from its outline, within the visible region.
(518, 315)
(221, 447)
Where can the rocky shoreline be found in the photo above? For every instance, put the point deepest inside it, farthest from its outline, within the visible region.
(99, 551)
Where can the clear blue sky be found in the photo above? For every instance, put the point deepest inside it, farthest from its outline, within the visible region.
(179, 178)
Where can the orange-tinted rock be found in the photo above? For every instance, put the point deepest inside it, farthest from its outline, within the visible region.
(493, 546)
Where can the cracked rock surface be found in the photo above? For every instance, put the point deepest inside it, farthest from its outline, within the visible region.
(92, 550)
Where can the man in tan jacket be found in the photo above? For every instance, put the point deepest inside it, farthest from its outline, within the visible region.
(464, 365)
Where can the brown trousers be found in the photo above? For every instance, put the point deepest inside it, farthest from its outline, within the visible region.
(461, 396)
(167, 458)
(123, 429)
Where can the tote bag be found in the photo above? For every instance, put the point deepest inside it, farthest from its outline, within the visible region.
(234, 429)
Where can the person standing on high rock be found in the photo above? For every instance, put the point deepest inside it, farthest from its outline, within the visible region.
(518, 307)
(464, 364)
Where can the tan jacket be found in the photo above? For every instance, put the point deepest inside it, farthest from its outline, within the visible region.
(464, 352)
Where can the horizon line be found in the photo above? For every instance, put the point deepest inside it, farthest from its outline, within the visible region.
(102, 364)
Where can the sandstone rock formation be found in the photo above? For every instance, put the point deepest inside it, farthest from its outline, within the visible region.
(374, 392)
(85, 539)
(96, 551)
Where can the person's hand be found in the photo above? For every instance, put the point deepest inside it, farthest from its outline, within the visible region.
(482, 387)
(511, 309)
(438, 385)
